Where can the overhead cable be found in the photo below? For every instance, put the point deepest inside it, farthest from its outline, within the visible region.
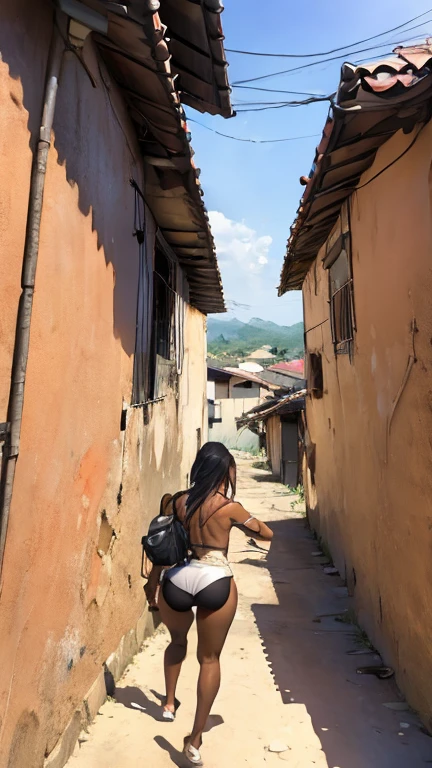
(277, 90)
(253, 141)
(307, 66)
(334, 50)
(281, 105)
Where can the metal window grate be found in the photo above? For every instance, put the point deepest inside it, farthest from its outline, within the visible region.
(342, 319)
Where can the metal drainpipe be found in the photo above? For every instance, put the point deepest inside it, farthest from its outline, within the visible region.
(30, 258)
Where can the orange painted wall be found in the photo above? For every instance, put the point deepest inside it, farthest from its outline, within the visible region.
(64, 607)
(372, 501)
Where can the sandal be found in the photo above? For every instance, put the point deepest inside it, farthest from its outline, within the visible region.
(168, 715)
(382, 673)
(192, 753)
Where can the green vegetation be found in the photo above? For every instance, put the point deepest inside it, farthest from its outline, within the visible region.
(263, 464)
(298, 505)
(234, 339)
(362, 640)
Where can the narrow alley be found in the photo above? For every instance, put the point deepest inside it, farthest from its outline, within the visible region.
(290, 688)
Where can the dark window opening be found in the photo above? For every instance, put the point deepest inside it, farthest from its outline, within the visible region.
(159, 341)
(123, 420)
(315, 377)
(163, 300)
(245, 385)
(162, 347)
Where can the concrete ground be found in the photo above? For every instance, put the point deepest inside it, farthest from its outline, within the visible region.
(289, 672)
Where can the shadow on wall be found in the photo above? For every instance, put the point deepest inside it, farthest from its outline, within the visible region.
(307, 649)
(94, 141)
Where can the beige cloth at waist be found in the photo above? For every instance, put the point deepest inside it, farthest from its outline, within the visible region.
(214, 557)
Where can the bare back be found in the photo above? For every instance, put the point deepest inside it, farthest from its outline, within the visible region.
(209, 527)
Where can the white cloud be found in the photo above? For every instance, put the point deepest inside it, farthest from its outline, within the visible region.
(250, 274)
(239, 248)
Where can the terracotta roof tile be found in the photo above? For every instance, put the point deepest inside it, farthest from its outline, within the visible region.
(137, 51)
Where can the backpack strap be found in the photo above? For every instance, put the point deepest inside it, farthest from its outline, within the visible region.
(166, 498)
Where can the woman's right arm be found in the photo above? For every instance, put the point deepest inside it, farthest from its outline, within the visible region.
(251, 526)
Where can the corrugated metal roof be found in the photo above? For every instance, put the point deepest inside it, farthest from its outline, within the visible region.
(372, 103)
(224, 374)
(283, 405)
(138, 57)
(284, 380)
(293, 366)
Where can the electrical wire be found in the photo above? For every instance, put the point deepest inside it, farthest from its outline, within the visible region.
(334, 50)
(277, 90)
(252, 141)
(281, 105)
(393, 162)
(311, 64)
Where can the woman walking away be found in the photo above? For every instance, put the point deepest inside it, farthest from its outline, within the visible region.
(207, 511)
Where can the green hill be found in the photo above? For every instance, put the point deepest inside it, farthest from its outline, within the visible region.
(232, 338)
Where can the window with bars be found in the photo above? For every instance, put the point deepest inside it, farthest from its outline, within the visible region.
(338, 263)
(161, 305)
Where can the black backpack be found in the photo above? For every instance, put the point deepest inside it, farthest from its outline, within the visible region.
(167, 541)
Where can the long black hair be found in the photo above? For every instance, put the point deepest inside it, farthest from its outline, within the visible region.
(210, 469)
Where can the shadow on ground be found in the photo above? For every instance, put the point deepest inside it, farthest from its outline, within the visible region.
(308, 653)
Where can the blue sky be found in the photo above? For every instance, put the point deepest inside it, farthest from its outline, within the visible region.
(252, 191)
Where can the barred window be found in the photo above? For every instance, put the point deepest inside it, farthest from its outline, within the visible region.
(341, 305)
(338, 263)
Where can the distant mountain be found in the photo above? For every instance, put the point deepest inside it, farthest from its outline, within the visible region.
(234, 338)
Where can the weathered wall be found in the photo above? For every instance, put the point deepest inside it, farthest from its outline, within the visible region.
(226, 431)
(84, 490)
(240, 389)
(274, 443)
(221, 390)
(372, 500)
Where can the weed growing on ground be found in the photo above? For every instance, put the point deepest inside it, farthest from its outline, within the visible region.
(299, 504)
(362, 640)
(263, 464)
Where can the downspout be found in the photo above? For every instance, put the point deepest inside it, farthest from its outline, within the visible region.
(30, 259)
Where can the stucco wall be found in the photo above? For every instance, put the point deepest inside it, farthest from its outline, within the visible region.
(372, 500)
(274, 443)
(64, 604)
(226, 431)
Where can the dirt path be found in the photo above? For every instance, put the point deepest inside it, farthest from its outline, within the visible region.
(288, 679)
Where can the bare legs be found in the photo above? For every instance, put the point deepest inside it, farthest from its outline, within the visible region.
(212, 628)
(178, 624)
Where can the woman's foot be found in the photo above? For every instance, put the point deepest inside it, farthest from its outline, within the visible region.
(191, 752)
(169, 711)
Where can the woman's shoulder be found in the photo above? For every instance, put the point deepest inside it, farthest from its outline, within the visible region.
(231, 507)
(170, 501)
(179, 501)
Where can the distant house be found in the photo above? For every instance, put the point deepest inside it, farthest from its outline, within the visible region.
(283, 379)
(261, 354)
(251, 367)
(231, 392)
(280, 422)
(293, 366)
